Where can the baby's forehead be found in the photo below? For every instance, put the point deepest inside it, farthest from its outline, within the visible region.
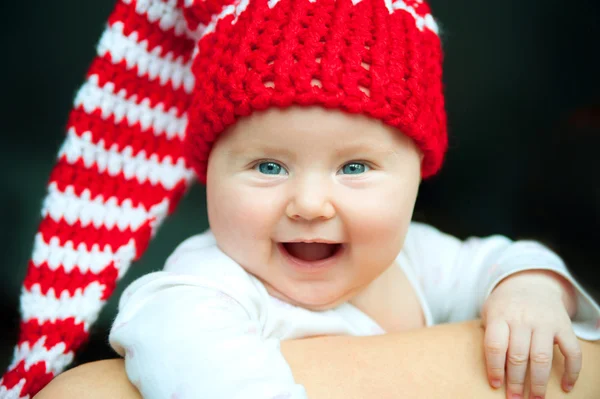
(309, 117)
(365, 143)
(312, 130)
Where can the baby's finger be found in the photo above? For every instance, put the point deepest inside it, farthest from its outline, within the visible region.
(517, 360)
(569, 346)
(495, 345)
(542, 346)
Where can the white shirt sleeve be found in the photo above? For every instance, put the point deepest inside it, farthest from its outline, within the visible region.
(194, 331)
(457, 276)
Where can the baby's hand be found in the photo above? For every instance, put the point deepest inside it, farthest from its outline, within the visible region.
(525, 317)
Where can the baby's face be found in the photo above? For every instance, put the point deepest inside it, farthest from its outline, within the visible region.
(310, 174)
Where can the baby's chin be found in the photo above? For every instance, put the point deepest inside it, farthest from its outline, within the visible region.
(310, 302)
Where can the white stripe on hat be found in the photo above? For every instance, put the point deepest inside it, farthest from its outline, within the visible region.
(422, 22)
(55, 358)
(167, 13)
(84, 305)
(115, 162)
(94, 259)
(134, 50)
(92, 97)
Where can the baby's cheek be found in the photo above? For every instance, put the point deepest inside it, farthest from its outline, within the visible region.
(378, 235)
(380, 223)
(244, 229)
(252, 223)
(253, 207)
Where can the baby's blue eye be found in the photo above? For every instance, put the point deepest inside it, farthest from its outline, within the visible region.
(270, 168)
(354, 168)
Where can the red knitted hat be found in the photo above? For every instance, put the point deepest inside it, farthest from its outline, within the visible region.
(381, 58)
(169, 76)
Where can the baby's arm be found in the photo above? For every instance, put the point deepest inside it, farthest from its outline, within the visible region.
(458, 276)
(524, 317)
(188, 335)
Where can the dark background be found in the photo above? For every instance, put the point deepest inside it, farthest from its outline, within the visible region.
(523, 99)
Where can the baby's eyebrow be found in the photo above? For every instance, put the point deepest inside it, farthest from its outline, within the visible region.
(364, 148)
(255, 148)
(258, 148)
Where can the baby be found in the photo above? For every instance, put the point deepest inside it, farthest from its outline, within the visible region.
(312, 124)
(310, 213)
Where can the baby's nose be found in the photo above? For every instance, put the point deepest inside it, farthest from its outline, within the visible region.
(311, 202)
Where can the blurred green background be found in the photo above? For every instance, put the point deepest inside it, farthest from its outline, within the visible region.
(523, 99)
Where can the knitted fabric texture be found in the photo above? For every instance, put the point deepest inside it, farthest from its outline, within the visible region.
(377, 58)
(169, 76)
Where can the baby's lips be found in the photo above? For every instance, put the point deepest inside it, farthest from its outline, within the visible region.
(310, 251)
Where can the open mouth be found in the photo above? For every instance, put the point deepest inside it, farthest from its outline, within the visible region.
(311, 252)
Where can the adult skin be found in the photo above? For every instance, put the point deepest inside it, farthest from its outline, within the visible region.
(444, 361)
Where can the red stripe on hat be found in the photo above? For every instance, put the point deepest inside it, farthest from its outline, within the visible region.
(71, 281)
(36, 378)
(67, 331)
(421, 8)
(82, 178)
(202, 12)
(91, 235)
(152, 32)
(143, 87)
(124, 135)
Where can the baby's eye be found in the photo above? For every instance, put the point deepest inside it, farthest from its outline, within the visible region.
(270, 168)
(354, 168)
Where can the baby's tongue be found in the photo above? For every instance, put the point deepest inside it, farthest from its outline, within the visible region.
(310, 251)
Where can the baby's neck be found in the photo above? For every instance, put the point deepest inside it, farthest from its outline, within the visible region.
(391, 301)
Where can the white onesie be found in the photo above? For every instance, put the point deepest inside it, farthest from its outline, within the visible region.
(205, 328)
